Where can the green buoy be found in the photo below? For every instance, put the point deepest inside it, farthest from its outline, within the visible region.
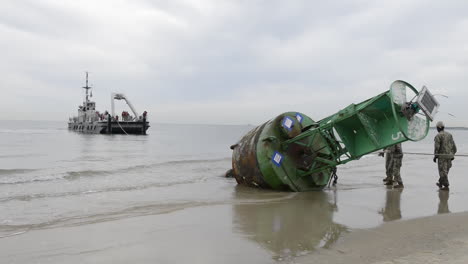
(293, 152)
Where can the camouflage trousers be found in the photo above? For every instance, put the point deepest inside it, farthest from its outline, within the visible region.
(444, 166)
(392, 168)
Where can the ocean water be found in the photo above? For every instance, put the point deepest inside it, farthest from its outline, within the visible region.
(53, 178)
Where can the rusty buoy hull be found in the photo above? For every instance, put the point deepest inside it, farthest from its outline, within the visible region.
(261, 159)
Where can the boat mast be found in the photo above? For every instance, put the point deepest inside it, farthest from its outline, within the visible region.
(87, 88)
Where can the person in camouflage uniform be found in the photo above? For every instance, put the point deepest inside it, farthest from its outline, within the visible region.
(444, 151)
(393, 158)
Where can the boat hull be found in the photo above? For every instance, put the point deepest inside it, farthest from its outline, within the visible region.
(114, 127)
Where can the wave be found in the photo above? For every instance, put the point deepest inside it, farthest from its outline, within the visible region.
(7, 230)
(27, 181)
(177, 162)
(15, 171)
(196, 161)
(73, 175)
(105, 190)
(79, 174)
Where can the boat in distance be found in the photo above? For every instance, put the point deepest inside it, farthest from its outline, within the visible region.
(91, 121)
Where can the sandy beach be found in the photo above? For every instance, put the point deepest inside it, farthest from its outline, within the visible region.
(169, 238)
(435, 239)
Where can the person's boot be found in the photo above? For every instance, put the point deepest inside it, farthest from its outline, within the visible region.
(439, 185)
(388, 182)
(399, 185)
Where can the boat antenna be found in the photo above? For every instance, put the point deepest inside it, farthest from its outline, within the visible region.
(87, 88)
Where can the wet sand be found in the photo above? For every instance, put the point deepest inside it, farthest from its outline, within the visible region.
(207, 235)
(436, 239)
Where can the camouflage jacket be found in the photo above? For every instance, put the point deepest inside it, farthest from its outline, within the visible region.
(444, 144)
(394, 151)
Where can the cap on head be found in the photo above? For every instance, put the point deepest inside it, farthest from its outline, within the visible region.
(440, 124)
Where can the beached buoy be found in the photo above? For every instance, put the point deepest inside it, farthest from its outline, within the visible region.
(295, 153)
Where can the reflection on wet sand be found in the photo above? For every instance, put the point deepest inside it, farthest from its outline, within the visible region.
(392, 205)
(288, 227)
(443, 202)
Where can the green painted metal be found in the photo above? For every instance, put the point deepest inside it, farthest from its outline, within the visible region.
(294, 152)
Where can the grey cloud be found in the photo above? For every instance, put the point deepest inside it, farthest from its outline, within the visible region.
(204, 60)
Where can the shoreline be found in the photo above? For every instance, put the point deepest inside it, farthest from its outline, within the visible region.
(198, 232)
(432, 239)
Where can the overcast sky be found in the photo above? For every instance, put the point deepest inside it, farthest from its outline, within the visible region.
(228, 62)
